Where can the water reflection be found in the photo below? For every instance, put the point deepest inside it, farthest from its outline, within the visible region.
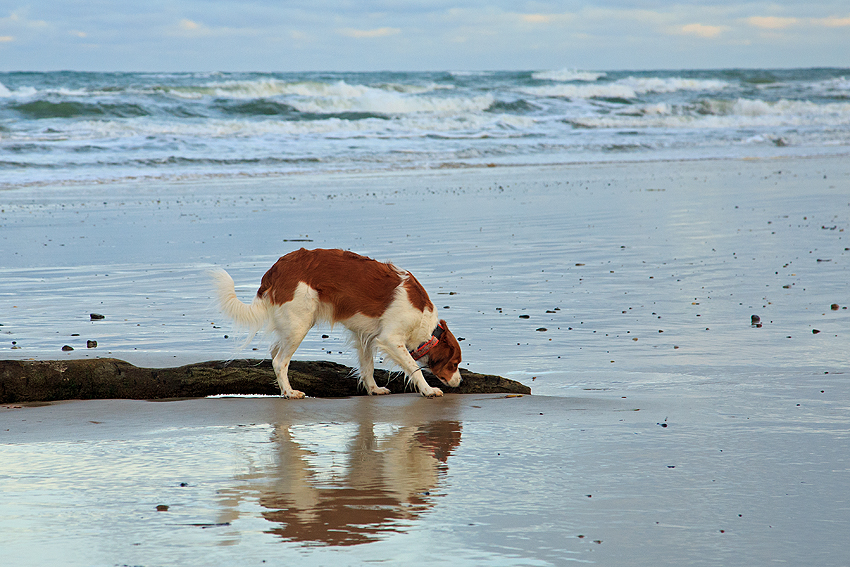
(350, 481)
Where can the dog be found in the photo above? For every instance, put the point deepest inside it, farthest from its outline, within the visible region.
(383, 307)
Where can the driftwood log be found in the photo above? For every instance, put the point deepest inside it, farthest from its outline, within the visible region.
(103, 378)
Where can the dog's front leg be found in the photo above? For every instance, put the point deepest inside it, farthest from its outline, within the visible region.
(399, 354)
(366, 352)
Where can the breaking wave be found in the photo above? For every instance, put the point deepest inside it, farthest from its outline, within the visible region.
(95, 125)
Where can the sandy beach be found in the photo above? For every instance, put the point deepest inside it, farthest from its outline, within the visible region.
(665, 428)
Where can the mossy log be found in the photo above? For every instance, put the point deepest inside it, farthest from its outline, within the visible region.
(104, 378)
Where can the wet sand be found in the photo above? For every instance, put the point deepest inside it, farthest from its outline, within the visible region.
(672, 429)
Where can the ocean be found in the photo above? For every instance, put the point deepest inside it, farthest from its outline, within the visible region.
(73, 127)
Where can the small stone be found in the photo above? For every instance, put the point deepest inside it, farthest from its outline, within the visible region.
(91, 344)
(67, 348)
(542, 329)
(96, 316)
(815, 331)
(834, 307)
(525, 316)
(755, 320)
(162, 508)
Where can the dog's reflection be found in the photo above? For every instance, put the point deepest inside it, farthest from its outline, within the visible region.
(346, 483)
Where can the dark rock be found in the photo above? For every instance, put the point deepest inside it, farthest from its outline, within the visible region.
(67, 348)
(91, 344)
(96, 316)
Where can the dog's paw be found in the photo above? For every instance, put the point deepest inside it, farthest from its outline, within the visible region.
(293, 395)
(432, 393)
(378, 391)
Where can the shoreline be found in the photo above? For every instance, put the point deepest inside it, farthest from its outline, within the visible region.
(825, 153)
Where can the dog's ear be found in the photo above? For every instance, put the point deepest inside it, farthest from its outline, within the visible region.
(445, 357)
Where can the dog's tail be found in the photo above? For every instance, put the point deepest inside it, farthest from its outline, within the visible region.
(253, 316)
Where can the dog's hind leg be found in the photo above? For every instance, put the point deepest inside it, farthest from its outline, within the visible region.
(288, 340)
(366, 352)
(281, 355)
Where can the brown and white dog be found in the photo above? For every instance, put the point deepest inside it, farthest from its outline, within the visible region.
(384, 308)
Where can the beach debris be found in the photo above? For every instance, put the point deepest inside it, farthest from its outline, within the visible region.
(96, 316)
(91, 344)
(110, 378)
(67, 348)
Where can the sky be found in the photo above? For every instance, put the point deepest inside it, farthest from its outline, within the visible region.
(420, 35)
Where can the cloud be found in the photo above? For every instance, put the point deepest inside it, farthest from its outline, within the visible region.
(189, 25)
(771, 22)
(197, 30)
(6, 38)
(366, 34)
(546, 18)
(778, 23)
(700, 30)
(19, 18)
(832, 22)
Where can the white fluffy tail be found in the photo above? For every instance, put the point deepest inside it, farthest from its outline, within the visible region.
(253, 316)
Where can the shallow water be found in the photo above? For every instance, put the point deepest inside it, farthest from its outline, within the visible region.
(596, 478)
(712, 442)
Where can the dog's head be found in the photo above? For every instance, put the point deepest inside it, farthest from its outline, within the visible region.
(444, 358)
